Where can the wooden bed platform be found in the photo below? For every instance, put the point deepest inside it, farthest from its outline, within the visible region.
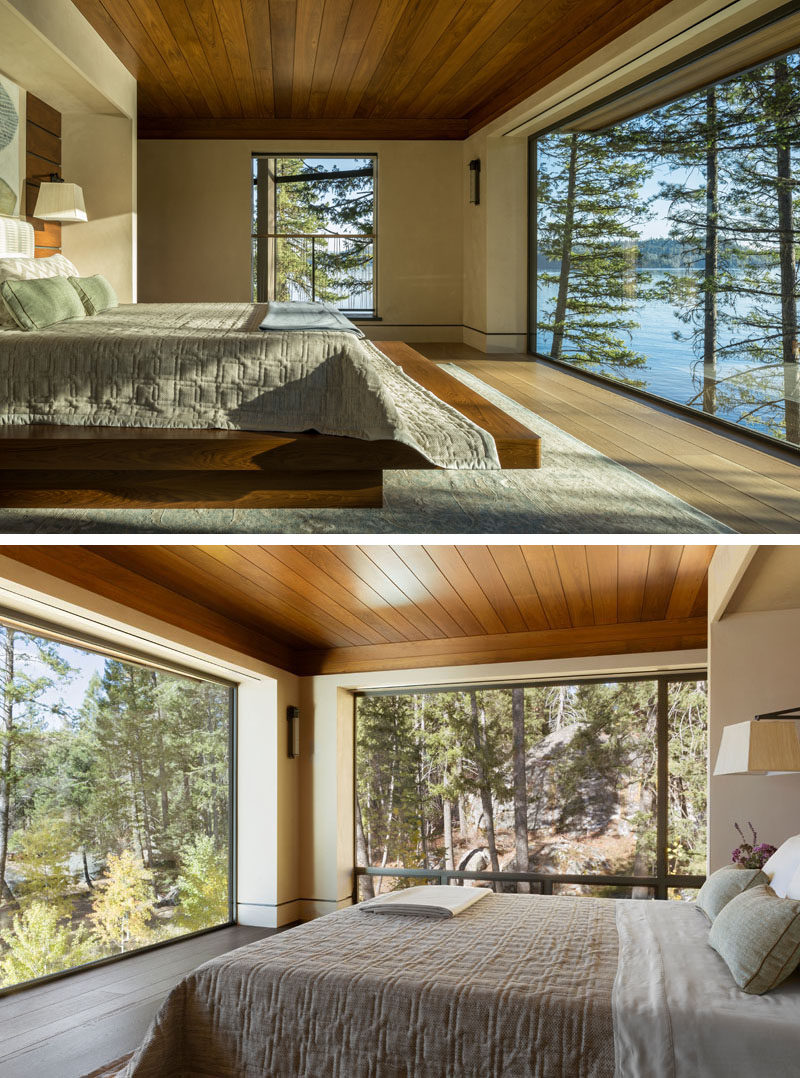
(112, 467)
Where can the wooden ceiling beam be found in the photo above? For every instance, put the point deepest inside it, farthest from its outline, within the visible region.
(169, 127)
(649, 636)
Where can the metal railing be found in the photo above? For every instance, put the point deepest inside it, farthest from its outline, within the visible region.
(339, 266)
(544, 880)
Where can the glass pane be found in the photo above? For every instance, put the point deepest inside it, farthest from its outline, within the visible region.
(591, 778)
(682, 894)
(603, 892)
(315, 219)
(119, 803)
(558, 779)
(666, 255)
(688, 777)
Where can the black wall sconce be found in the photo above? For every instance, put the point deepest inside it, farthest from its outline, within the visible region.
(293, 722)
(475, 181)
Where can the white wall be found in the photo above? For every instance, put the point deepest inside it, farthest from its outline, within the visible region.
(50, 50)
(195, 205)
(268, 781)
(753, 667)
(326, 824)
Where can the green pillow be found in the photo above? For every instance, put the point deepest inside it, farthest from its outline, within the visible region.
(758, 935)
(726, 883)
(96, 293)
(39, 303)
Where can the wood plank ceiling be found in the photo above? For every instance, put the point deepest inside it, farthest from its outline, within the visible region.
(347, 68)
(344, 609)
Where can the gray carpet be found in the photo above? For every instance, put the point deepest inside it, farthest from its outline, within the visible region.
(576, 491)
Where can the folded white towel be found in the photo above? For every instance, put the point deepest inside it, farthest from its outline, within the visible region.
(427, 901)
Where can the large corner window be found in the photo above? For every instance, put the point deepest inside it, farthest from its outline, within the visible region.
(314, 236)
(115, 805)
(666, 247)
(589, 788)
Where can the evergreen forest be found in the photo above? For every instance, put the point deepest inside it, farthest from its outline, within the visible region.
(113, 805)
(667, 249)
(559, 778)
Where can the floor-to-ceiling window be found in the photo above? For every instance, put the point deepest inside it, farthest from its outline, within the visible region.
(314, 235)
(666, 246)
(115, 805)
(602, 781)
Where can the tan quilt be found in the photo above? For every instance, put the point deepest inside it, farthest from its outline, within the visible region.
(517, 985)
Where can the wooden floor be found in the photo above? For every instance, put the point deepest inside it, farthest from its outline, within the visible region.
(73, 1026)
(749, 489)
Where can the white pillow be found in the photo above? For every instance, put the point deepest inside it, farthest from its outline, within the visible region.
(793, 890)
(20, 268)
(783, 866)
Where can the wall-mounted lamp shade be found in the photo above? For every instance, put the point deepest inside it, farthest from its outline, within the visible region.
(293, 722)
(758, 748)
(60, 202)
(475, 181)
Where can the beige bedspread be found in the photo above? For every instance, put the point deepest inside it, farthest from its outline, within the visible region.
(517, 985)
(208, 366)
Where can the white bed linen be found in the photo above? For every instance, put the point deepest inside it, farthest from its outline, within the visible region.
(678, 1012)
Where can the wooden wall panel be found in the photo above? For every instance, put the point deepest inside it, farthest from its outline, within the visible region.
(42, 157)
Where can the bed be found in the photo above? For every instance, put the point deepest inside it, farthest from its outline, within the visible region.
(193, 405)
(517, 985)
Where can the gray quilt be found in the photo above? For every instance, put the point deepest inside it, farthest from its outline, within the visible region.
(517, 985)
(207, 366)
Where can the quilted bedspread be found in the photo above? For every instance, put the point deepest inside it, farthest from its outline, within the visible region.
(207, 366)
(517, 985)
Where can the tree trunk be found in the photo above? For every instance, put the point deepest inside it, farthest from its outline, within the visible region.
(520, 786)
(362, 855)
(786, 240)
(447, 817)
(162, 770)
(483, 785)
(560, 314)
(711, 257)
(86, 874)
(6, 755)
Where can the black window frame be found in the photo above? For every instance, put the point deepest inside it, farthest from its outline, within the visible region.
(90, 642)
(743, 433)
(359, 315)
(661, 882)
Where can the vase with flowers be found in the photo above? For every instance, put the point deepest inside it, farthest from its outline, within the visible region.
(753, 854)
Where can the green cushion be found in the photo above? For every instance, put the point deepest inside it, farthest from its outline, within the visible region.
(758, 935)
(726, 883)
(95, 292)
(40, 303)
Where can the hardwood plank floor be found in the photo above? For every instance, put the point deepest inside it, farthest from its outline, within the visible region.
(750, 489)
(71, 1027)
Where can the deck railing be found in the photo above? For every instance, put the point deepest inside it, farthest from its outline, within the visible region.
(339, 267)
(545, 881)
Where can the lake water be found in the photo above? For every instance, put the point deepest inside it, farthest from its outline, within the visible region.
(738, 390)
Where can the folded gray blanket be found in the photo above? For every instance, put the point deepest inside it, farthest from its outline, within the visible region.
(302, 317)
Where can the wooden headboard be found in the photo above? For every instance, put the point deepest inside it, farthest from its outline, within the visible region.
(42, 157)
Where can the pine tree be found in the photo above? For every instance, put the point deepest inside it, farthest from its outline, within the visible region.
(589, 213)
(29, 667)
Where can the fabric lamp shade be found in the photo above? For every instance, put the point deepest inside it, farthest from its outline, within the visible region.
(758, 748)
(60, 202)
